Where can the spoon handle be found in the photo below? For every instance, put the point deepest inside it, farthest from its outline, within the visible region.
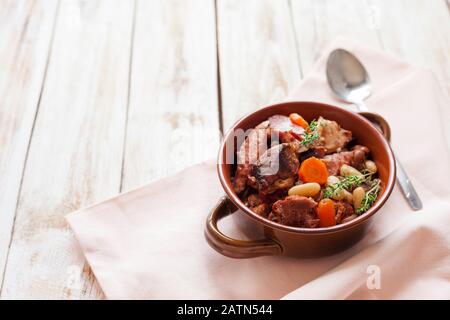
(405, 184)
(361, 106)
(407, 188)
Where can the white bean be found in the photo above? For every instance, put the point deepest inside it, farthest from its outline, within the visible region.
(348, 197)
(371, 166)
(339, 194)
(342, 194)
(347, 171)
(309, 189)
(358, 196)
(332, 180)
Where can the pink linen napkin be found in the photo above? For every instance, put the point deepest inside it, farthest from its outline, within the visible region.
(149, 243)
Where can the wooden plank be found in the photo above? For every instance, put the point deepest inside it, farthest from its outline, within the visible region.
(318, 23)
(416, 30)
(75, 155)
(173, 115)
(25, 36)
(419, 32)
(257, 53)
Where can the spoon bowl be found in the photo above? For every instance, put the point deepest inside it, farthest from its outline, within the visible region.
(347, 77)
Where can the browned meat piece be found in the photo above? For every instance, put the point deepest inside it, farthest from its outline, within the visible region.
(257, 205)
(284, 131)
(332, 136)
(354, 158)
(284, 124)
(276, 169)
(318, 152)
(279, 128)
(335, 161)
(284, 137)
(241, 176)
(271, 198)
(253, 200)
(287, 137)
(296, 211)
(343, 210)
(362, 148)
(251, 149)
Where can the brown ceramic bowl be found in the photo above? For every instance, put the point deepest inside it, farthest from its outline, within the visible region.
(292, 241)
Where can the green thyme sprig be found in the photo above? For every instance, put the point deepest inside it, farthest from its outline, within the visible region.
(311, 134)
(348, 183)
(370, 197)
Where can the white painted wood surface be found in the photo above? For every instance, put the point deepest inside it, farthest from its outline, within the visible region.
(173, 110)
(317, 23)
(75, 154)
(25, 35)
(102, 96)
(257, 54)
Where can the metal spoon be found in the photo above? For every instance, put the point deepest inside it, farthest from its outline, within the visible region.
(349, 80)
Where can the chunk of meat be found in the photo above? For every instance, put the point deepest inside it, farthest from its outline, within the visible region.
(286, 137)
(284, 131)
(332, 137)
(276, 169)
(362, 148)
(261, 204)
(355, 158)
(296, 211)
(284, 124)
(254, 145)
(318, 152)
(343, 210)
(258, 205)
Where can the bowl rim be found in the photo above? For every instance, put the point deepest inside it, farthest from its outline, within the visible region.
(266, 222)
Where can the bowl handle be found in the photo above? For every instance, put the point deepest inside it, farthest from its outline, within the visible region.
(234, 248)
(380, 123)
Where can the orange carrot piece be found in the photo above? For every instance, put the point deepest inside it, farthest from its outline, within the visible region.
(298, 120)
(313, 170)
(326, 213)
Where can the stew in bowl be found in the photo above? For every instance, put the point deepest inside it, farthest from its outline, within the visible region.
(308, 174)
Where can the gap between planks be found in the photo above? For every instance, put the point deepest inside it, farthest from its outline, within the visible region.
(219, 86)
(130, 67)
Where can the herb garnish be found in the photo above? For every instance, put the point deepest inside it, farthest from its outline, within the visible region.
(370, 197)
(311, 134)
(347, 183)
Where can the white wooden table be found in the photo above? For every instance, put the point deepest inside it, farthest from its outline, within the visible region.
(102, 96)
